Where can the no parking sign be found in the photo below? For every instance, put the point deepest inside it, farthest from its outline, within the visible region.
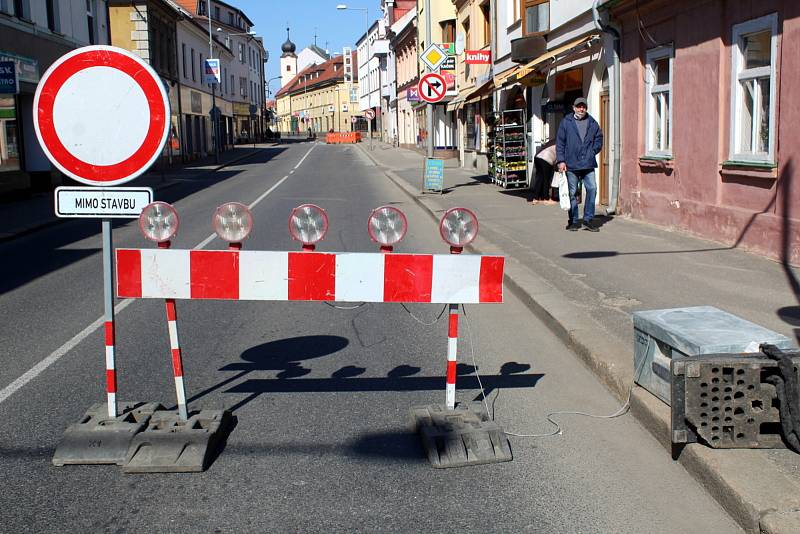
(101, 115)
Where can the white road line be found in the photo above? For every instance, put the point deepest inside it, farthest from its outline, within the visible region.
(54, 356)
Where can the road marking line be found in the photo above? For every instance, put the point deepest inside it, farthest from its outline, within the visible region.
(54, 356)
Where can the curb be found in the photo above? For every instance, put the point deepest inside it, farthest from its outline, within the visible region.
(27, 230)
(759, 498)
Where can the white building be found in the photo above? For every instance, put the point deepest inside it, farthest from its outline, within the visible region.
(197, 132)
(373, 48)
(33, 34)
(246, 72)
(292, 63)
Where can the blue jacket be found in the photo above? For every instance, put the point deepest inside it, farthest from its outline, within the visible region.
(577, 154)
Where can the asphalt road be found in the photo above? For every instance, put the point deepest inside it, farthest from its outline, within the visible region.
(321, 394)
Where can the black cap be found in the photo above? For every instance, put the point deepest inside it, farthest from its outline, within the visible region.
(579, 101)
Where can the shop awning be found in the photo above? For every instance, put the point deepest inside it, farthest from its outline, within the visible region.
(482, 90)
(501, 78)
(527, 70)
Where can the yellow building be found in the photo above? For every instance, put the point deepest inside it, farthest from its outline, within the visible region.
(319, 99)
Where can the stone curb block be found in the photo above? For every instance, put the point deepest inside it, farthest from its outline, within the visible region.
(759, 498)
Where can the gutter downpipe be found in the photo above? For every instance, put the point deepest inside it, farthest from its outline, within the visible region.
(615, 34)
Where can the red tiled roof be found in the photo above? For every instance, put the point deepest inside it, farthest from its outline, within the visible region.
(331, 70)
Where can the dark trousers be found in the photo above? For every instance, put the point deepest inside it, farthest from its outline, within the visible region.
(542, 180)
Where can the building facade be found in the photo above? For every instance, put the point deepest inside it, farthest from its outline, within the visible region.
(319, 99)
(372, 50)
(33, 34)
(707, 132)
(404, 51)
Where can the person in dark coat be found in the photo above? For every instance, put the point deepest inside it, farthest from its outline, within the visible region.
(578, 142)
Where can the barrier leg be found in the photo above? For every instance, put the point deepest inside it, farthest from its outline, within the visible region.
(177, 361)
(452, 356)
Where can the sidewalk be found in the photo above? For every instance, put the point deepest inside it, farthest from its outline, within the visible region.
(37, 212)
(585, 286)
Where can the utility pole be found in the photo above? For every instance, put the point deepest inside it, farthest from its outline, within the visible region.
(214, 111)
(429, 107)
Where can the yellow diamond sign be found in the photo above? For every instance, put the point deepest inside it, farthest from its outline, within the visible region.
(433, 57)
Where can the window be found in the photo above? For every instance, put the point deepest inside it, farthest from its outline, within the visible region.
(535, 16)
(658, 112)
(225, 79)
(183, 56)
(233, 84)
(202, 70)
(230, 18)
(216, 13)
(448, 31)
(243, 86)
(753, 63)
(193, 66)
(53, 16)
(487, 24)
(22, 9)
(201, 8)
(241, 53)
(90, 20)
(288, 68)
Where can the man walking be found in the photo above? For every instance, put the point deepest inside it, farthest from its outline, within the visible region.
(578, 141)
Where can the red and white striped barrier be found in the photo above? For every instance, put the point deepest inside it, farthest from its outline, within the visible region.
(111, 371)
(177, 360)
(452, 356)
(316, 276)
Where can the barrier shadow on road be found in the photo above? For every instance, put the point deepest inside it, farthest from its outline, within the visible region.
(43, 251)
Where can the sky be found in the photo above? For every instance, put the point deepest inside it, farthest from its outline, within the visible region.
(305, 17)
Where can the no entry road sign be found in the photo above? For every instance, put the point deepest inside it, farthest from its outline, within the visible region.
(432, 87)
(101, 115)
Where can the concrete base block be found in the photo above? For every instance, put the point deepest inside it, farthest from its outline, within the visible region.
(100, 439)
(459, 437)
(171, 445)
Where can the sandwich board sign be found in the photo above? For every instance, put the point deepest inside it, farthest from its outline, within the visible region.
(101, 115)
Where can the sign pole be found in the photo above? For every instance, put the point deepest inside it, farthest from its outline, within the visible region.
(429, 107)
(108, 302)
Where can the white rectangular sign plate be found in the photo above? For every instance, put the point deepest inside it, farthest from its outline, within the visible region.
(102, 202)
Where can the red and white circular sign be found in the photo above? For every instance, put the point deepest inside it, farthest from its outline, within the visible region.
(101, 115)
(369, 114)
(432, 87)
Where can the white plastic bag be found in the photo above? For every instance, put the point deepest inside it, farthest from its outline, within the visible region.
(563, 191)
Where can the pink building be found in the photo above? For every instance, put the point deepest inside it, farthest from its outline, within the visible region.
(710, 140)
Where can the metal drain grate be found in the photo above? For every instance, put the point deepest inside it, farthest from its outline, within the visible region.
(725, 400)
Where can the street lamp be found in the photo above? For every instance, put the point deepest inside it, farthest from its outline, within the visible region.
(344, 7)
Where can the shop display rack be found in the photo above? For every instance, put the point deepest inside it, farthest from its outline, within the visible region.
(507, 142)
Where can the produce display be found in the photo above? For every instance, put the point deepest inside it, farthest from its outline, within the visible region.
(507, 141)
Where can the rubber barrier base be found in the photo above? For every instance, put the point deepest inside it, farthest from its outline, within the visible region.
(727, 401)
(459, 437)
(171, 445)
(100, 439)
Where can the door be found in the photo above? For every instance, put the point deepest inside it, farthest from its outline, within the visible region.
(602, 179)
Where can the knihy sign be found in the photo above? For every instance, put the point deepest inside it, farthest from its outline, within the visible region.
(433, 57)
(212, 71)
(102, 202)
(478, 57)
(432, 88)
(101, 115)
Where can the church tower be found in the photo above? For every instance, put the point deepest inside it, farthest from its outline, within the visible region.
(288, 60)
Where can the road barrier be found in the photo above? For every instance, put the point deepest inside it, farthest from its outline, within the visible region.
(163, 441)
(333, 138)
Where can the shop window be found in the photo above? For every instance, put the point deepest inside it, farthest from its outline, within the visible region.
(9, 140)
(535, 16)
(753, 90)
(470, 130)
(658, 112)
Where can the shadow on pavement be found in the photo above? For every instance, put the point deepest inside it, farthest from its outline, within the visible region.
(43, 251)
